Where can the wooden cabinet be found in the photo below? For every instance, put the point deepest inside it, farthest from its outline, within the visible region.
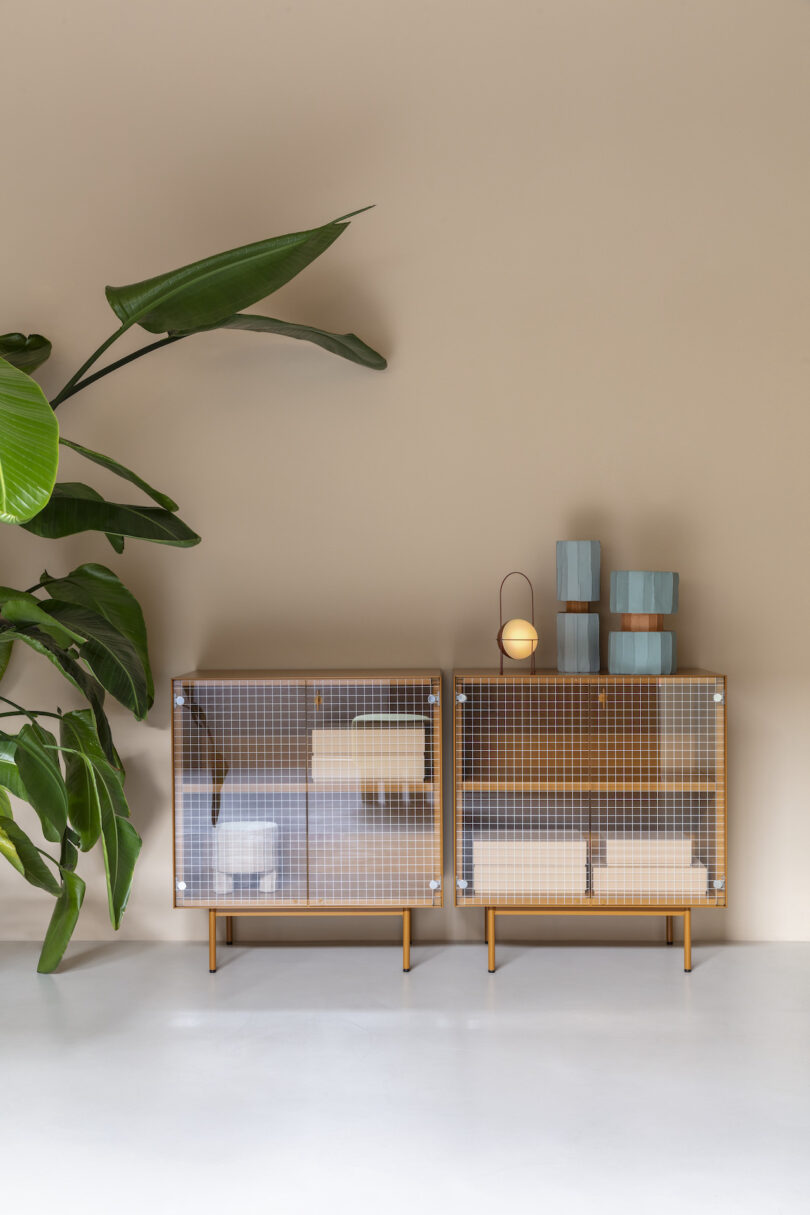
(579, 794)
(307, 793)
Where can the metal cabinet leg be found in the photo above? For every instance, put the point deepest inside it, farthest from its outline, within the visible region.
(229, 930)
(490, 939)
(406, 938)
(212, 941)
(670, 922)
(687, 940)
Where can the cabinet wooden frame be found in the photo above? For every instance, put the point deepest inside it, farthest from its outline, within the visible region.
(570, 762)
(355, 833)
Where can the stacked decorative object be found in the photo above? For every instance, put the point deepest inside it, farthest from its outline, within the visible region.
(578, 566)
(643, 598)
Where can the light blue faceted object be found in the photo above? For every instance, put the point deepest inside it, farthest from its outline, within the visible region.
(578, 564)
(642, 653)
(652, 592)
(577, 642)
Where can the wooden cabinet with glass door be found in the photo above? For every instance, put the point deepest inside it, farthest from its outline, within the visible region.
(583, 794)
(307, 793)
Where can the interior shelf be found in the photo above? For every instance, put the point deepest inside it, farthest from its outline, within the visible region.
(602, 786)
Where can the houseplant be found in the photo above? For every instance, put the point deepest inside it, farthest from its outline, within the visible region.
(87, 623)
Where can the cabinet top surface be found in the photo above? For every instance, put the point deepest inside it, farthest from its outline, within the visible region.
(601, 676)
(388, 673)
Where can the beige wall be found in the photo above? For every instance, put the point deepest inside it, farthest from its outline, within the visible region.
(588, 265)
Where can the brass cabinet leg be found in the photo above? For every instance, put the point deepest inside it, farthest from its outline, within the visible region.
(687, 939)
(406, 938)
(670, 921)
(490, 939)
(229, 930)
(486, 926)
(212, 941)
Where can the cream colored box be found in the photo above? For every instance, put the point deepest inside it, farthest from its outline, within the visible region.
(648, 848)
(403, 767)
(367, 741)
(682, 881)
(523, 881)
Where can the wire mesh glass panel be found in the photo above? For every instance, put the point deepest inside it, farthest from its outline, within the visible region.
(595, 791)
(522, 781)
(374, 835)
(240, 755)
(658, 800)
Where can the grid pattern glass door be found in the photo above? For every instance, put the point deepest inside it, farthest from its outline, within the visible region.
(657, 799)
(593, 791)
(240, 756)
(522, 782)
(374, 792)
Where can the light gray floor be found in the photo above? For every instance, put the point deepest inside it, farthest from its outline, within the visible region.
(300, 1080)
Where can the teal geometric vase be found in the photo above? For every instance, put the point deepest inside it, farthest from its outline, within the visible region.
(643, 598)
(578, 569)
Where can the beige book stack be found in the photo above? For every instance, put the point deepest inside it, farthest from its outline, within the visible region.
(641, 863)
(369, 754)
(530, 862)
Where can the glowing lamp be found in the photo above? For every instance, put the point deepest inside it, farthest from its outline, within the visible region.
(517, 638)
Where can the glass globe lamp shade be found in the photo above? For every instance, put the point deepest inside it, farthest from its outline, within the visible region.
(518, 638)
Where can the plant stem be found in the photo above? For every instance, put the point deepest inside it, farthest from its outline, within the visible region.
(69, 391)
(21, 712)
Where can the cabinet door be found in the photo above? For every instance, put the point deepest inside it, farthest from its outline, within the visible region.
(240, 763)
(521, 783)
(374, 793)
(658, 792)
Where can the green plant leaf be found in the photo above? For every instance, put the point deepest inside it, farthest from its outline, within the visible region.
(5, 655)
(24, 353)
(69, 857)
(20, 607)
(121, 846)
(205, 292)
(70, 510)
(76, 674)
(38, 766)
(98, 588)
(126, 474)
(7, 847)
(9, 776)
(29, 446)
(346, 345)
(109, 654)
(81, 751)
(63, 922)
(34, 869)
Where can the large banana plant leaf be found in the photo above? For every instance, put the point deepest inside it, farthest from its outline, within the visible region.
(120, 470)
(29, 446)
(21, 607)
(110, 655)
(9, 775)
(346, 345)
(68, 665)
(24, 353)
(99, 589)
(72, 509)
(205, 292)
(36, 756)
(63, 921)
(34, 869)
